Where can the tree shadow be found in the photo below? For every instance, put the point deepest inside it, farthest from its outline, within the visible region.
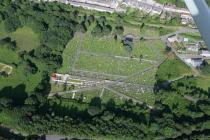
(17, 94)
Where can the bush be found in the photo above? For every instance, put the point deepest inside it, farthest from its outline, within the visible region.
(12, 23)
(119, 30)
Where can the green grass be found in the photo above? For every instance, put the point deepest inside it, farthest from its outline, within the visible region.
(88, 95)
(172, 68)
(146, 97)
(26, 40)
(109, 65)
(146, 31)
(108, 56)
(132, 30)
(149, 31)
(69, 54)
(105, 97)
(8, 56)
(2, 30)
(70, 103)
(18, 77)
(104, 50)
(100, 45)
(150, 49)
(192, 36)
(203, 82)
(146, 78)
(25, 37)
(10, 119)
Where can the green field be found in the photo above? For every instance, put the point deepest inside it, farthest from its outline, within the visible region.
(8, 56)
(107, 56)
(203, 82)
(192, 36)
(26, 40)
(7, 116)
(109, 65)
(172, 68)
(18, 77)
(146, 31)
(25, 37)
(104, 51)
(148, 98)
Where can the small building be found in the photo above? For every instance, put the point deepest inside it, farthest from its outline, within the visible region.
(186, 39)
(193, 47)
(55, 77)
(163, 16)
(157, 10)
(186, 18)
(175, 38)
(205, 53)
(172, 39)
(195, 62)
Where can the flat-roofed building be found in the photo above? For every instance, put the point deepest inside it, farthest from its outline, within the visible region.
(205, 53)
(195, 62)
(193, 47)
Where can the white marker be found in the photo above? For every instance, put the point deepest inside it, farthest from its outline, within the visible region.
(201, 15)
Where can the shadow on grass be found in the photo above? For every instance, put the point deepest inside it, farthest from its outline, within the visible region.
(17, 94)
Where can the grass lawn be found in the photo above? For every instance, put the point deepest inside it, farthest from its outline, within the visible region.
(149, 31)
(8, 56)
(203, 82)
(10, 119)
(26, 40)
(70, 103)
(172, 68)
(109, 65)
(149, 49)
(193, 37)
(88, 95)
(18, 77)
(107, 47)
(132, 30)
(146, 78)
(69, 54)
(108, 56)
(25, 37)
(148, 98)
(105, 97)
(103, 45)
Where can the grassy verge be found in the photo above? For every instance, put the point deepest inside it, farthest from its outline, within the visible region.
(172, 68)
